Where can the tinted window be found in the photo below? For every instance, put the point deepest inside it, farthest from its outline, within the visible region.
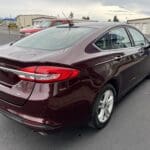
(54, 38)
(115, 39)
(45, 24)
(138, 38)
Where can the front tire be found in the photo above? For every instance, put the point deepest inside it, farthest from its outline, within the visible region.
(103, 107)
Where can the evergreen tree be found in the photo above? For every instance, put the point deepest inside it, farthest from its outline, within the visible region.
(71, 15)
(116, 19)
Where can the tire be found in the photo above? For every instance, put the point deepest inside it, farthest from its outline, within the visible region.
(99, 119)
(148, 77)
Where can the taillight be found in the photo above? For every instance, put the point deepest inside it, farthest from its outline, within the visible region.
(47, 74)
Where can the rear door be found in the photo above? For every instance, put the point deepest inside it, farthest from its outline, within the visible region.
(140, 42)
(125, 58)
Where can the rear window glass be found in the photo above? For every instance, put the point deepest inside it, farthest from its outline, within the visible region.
(54, 38)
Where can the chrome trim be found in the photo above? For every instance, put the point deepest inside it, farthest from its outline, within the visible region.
(22, 73)
(115, 52)
(104, 62)
(115, 59)
(102, 50)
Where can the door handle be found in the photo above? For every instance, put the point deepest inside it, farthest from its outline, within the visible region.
(118, 58)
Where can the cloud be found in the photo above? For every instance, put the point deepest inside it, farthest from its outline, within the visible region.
(96, 9)
(137, 5)
(128, 3)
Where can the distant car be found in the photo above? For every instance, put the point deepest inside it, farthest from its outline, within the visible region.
(71, 75)
(44, 25)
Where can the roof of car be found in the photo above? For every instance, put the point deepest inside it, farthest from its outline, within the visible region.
(98, 25)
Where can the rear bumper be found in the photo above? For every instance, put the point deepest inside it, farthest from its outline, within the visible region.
(45, 112)
(35, 125)
(29, 116)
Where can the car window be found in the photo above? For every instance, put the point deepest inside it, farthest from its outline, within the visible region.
(54, 38)
(115, 39)
(58, 23)
(138, 38)
(45, 24)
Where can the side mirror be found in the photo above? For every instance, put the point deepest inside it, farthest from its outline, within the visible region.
(147, 48)
(11, 43)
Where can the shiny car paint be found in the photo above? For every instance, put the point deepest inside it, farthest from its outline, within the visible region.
(50, 106)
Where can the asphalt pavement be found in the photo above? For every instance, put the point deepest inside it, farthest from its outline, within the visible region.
(129, 128)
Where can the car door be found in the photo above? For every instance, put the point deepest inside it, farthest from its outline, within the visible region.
(140, 42)
(125, 58)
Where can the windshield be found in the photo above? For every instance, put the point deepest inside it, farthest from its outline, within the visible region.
(45, 24)
(54, 38)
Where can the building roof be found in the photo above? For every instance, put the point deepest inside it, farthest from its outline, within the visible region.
(45, 17)
(139, 19)
(33, 15)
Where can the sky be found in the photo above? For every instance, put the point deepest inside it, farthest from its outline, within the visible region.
(95, 9)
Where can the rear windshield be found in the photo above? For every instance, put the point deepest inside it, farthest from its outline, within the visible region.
(55, 38)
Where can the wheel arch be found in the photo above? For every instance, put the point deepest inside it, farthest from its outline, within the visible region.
(116, 84)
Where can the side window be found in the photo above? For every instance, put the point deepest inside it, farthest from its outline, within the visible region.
(115, 39)
(138, 38)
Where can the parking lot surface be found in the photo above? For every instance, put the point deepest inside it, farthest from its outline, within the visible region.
(129, 128)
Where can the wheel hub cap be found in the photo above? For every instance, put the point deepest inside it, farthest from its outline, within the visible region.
(105, 106)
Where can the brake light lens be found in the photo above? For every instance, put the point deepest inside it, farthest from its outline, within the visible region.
(47, 74)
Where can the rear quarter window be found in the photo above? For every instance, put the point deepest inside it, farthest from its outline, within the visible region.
(114, 39)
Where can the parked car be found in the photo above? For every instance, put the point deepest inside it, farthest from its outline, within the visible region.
(71, 75)
(44, 25)
(12, 26)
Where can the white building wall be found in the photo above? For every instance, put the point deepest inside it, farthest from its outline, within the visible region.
(141, 24)
(26, 20)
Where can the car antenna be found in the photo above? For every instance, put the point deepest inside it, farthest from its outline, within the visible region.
(70, 23)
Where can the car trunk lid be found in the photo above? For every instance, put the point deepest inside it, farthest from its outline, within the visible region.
(12, 88)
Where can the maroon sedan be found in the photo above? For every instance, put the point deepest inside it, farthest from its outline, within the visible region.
(71, 75)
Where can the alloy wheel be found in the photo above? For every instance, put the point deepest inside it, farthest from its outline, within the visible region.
(105, 106)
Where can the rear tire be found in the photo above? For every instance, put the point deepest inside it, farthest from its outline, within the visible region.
(148, 77)
(103, 107)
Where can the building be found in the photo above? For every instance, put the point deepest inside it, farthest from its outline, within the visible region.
(27, 20)
(142, 24)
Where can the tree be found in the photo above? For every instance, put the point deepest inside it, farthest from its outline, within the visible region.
(71, 15)
(1, 20)
(116, 19)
